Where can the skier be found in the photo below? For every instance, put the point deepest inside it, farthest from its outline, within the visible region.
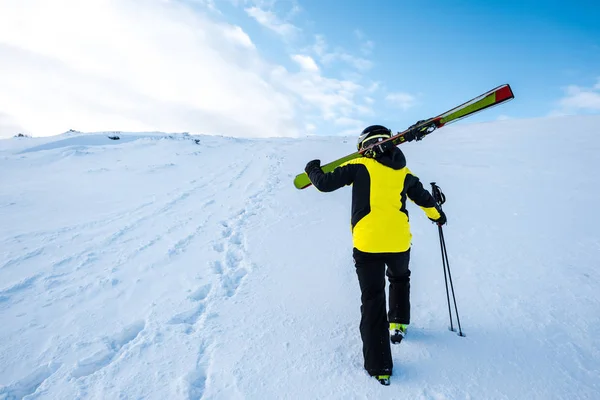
(381, 237)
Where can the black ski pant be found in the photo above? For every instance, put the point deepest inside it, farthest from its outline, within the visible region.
(374, 323)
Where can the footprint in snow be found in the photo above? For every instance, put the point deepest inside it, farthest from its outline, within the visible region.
(104, 357)
(236, 239)
(226, 232)
(217, 267)
(196, 379)
(219, 247)
(232, 259)
(189, 317)
(30, 384)
(201, 293)
(232, 281)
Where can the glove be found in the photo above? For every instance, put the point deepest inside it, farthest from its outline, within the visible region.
(416, 123)
(379, 149)
(415, 134)
(441, 220)
(312, 165)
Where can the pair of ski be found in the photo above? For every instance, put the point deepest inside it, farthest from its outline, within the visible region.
(418, 131)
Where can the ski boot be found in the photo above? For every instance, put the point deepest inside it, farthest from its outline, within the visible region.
(398, 331)
(383, 379)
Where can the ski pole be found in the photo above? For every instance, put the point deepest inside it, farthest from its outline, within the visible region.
(440, 199)
(445, 278)
(445, 252)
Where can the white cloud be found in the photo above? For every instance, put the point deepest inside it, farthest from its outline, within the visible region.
(333, 98)
(352, 133)
(8, 127)
(209, 4)
(373, 87)
(359, 63)
(295, 10)
(402, 100)
(557, 113)
(236, 34)
(346, 121)
(306, 62)
(271, 21)
(365, 110)
(153, 65)
(129, 65)
(366, 46)
(578, 98)
(320, 46)
(597, 85)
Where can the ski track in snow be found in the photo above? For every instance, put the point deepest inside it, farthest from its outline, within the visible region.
(49, 237)
(17, 289)
(17, 260)
(92, 254)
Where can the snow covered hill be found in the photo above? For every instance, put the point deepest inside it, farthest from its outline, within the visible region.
(156, 267)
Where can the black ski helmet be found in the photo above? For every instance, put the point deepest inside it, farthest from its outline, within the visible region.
(372, 134)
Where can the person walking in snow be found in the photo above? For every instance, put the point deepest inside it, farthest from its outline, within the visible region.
(381, 237)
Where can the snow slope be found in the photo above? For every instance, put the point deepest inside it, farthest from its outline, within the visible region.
(157, 268)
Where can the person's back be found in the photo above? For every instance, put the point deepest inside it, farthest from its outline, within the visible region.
(381, 187)
(385, 225)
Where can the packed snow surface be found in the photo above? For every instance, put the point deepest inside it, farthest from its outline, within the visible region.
(189, 267)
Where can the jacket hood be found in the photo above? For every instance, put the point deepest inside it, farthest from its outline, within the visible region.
(394, 159)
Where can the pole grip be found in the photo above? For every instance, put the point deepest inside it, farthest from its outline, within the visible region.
(438, 195)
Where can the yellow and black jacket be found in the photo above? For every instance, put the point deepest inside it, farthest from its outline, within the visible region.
(380, 189)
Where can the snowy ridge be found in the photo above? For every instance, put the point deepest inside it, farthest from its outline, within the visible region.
(157, 267)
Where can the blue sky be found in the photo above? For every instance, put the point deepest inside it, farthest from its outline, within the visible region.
(444, 52)
(288, 68)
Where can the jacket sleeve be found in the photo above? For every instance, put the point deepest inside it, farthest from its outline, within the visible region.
(417, 193)
(339, 177)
